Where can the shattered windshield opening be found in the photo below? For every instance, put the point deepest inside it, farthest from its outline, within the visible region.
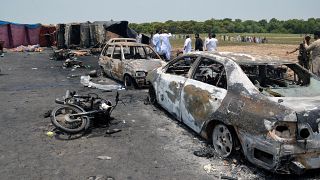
(138, 52)
(282, 80)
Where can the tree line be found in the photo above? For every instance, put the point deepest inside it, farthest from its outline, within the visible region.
(227, 25)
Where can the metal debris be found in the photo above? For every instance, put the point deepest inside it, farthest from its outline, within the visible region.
(86, 81)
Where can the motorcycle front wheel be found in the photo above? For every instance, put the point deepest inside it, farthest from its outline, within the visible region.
(61, 119)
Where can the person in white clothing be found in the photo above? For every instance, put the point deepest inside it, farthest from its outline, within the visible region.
(187, 45)
(211, 43)
(165, 44)
(139, 37)
(156, 42)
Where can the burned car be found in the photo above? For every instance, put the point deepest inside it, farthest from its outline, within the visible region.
(266, 107)
(129, 62)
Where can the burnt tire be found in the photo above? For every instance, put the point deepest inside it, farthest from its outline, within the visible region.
(59, 115)
(152, 95)
(223, 140)
(128, 82)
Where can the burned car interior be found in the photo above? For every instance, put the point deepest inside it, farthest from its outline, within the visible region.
(211, 72)
(276, 76)
(181, 66)
(138, 52)
(130, 52)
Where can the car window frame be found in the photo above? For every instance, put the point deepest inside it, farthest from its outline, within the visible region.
(197, 65)
(121, 52)
(165, 68)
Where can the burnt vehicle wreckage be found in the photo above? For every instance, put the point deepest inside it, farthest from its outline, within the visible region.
(129, 62)
(75, 112)
(264, 106)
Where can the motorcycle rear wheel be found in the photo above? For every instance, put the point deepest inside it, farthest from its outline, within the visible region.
(59, 117)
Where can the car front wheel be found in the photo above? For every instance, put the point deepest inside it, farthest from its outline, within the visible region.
(128, 82)
(223, 140)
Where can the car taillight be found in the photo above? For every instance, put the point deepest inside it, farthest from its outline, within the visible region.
(283, 131)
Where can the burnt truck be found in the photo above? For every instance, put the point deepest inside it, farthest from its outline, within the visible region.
(266, 107)
(129, 62)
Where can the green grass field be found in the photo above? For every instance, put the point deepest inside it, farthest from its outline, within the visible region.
(272, 39)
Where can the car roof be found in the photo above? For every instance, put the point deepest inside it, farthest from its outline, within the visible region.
(124, 39)
(244, 58)
(127, 44)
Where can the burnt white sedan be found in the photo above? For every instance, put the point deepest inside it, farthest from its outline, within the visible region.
(129, 62)
(264, 106)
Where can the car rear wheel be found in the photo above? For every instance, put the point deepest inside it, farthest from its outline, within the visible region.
(223, 140)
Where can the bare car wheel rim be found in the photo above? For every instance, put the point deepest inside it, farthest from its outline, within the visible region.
(222, 140)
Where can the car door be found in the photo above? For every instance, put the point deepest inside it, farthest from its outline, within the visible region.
(116, 63)
(171, 83)
(203, 93)
(105, 59)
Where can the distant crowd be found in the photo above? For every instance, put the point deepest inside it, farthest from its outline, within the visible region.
(238, 38)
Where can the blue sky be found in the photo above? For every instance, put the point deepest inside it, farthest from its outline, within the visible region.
(64, 11)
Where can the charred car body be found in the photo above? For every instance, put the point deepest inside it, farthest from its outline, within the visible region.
(267, 107)
(129, 62)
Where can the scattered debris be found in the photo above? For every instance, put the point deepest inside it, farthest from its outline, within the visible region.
(209, 168)
(47, 114)
(112, 131)
(29, 48)
(104, 157)
(50, 133)
(228, 177)
(85, 80)
(100, 177)
(73, 63)
(63, 54)
(205, 152)
(93, 73)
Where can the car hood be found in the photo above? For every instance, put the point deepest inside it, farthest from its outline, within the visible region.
(299, 104)
(145, 64)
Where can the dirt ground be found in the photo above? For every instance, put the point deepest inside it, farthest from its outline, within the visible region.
(151, 144)
(265, 49)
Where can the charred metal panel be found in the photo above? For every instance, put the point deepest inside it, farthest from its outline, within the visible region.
(199, 101)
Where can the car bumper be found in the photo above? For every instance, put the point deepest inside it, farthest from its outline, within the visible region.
(142, 82)
(283, 158)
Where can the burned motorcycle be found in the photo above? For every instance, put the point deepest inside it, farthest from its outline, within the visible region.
(77, 111)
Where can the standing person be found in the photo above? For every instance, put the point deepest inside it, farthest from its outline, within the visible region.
(304, 56)
(211, 43)
(139, 37)
(165, 44)
(198, 46)
(156, 42)
(187, 45)
(315, 53)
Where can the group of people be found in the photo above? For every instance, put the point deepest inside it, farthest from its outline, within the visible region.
(210, 44)
(309, 53)
(238, 38)
(161, 43)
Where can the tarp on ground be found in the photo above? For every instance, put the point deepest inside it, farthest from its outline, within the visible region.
(15, 34)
